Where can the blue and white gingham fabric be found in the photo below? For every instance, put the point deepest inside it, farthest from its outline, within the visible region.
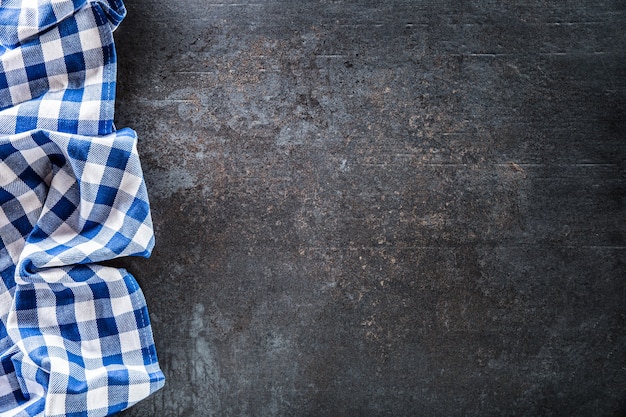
(75, 338)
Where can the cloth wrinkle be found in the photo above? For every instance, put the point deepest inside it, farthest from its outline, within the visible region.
(75, 335)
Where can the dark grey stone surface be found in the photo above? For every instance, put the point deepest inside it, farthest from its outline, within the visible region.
(368, 208)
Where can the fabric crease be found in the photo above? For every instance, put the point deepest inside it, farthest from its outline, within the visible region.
(75, 335)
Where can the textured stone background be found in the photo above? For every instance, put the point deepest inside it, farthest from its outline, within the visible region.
(382, 208)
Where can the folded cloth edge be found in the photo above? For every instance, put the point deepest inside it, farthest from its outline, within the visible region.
(79, 332)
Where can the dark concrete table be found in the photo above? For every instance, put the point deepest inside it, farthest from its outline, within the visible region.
(382, 208)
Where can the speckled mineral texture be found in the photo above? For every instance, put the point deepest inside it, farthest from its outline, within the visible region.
(368, 208)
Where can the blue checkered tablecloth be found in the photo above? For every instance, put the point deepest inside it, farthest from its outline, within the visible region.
(75, 337)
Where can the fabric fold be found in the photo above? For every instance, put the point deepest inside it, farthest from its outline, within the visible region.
(75, 335)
